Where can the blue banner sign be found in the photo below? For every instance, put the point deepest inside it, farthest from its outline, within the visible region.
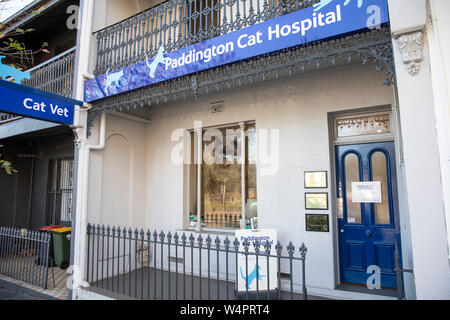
(37, 104)
(327, 19)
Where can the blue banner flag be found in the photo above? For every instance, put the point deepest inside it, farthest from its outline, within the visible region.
(37, 104)
(327, 19)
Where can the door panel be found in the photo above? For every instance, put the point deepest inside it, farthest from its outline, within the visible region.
(367, 231)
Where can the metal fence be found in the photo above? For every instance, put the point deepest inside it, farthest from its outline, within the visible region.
(399, 271)
(6, 117)
(55, 75)
(158, 266)
(175, 24)
(24, 255)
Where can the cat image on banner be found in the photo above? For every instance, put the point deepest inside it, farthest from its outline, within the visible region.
(113, 79)
(158, 60)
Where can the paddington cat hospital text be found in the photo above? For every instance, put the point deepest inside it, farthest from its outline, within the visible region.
(249, 40)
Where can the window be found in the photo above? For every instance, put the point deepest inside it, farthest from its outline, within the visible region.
(59, 192)
(227, 194)
(364, 125)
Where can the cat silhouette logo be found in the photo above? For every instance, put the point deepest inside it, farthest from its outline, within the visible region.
(10, 72)
(158, 60)
(252, 276)
(113, 79)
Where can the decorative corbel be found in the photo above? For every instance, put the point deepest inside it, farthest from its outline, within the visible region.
(411, 49)
(78, 132)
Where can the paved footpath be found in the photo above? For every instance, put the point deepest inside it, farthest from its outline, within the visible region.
(10, 291)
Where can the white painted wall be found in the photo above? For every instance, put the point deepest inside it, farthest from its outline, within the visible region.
(439, 28)
(118, 175)
(423, 174)
(297, 106)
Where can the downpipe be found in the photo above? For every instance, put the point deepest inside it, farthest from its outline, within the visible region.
(85, 194)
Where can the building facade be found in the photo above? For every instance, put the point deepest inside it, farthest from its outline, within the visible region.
(339, 142)
(42, 152)
(321, 108)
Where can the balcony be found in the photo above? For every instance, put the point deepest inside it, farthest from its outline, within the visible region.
(180, 23)
(6, 117)
(54, 76)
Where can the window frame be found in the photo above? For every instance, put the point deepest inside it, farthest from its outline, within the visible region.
(54, 192)
(198, 176)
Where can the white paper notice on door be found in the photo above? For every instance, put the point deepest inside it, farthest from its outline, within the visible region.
(367, 192)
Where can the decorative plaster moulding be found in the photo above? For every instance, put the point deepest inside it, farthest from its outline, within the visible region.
(410, 44)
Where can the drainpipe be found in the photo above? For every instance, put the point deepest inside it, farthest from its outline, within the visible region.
(85, 190)
(78, 246)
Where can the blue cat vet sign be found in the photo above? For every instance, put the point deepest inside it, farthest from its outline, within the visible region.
(37, 104)
(250, 273)
(326, 19)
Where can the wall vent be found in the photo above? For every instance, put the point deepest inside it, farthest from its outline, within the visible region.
(218, 107)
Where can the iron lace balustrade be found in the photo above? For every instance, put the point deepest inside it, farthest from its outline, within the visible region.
(24, 255)
(176, 24)
(55, 75)
(6, 117)
(154, 265)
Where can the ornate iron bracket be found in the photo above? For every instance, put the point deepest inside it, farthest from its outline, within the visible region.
(370, 47)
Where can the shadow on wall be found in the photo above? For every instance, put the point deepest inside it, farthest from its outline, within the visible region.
(116, 176)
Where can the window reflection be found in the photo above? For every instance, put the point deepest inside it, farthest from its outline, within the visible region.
(221, 178)
(365, 125)
(379, 173)
(351, 165)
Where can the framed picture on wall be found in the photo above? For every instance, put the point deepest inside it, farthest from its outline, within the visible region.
(316, 200)
(317, 223)
(316, 179)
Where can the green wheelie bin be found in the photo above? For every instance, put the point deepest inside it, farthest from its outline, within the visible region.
(61, 247)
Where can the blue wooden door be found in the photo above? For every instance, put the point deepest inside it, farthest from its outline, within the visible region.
(367, 231)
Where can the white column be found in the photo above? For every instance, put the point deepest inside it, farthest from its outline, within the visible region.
(83, 50)
(428, 241)
(243, 189)
(440, 73)
(199, 132)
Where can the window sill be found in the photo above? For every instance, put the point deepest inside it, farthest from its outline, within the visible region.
(213, 231)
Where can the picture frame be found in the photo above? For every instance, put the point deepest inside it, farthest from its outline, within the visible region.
(317, 222)
(316, 201)
(316, 179)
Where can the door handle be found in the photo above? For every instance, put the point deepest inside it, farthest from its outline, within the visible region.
(369, 233)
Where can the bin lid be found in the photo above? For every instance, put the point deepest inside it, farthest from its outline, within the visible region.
(62, 230)
(48, 228)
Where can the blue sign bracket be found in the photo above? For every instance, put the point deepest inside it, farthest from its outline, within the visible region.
(37, 104)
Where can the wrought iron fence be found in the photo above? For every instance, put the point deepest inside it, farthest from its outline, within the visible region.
(24, 255)
(175, 24)
(6, 117)
(399, 271)
(55, 75)
(159, 266)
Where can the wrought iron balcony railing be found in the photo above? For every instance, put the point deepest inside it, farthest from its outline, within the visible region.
(179, 23)
(55, 75)
(6, 117)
